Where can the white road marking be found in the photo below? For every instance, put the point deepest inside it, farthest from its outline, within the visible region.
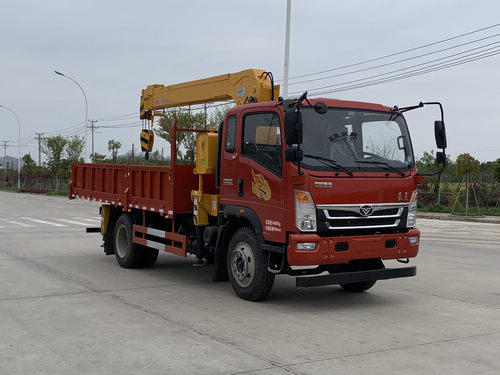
(72, 222)
(18, 223)
(44, 222)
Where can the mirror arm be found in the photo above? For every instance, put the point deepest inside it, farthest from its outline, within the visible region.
(440, 108)
(431, 174)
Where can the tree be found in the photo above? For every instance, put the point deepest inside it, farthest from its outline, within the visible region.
(74, 149)
(186, 141)
(427, 162)
(29, 163)
(53, 148)
(466, 164)
(496, 170)
(113, 147)
(98, 158)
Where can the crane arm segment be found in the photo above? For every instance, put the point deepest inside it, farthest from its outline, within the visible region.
(251, 85)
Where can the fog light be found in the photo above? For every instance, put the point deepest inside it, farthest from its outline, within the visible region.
(413, 240)
(306, 246)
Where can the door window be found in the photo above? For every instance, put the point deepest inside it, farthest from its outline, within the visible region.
(231, 133)
(262, 140)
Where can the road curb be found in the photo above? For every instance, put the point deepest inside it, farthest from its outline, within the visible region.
(445, 216)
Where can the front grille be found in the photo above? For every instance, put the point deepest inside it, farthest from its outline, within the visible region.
(362, 216)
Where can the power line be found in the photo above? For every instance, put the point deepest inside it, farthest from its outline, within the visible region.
(116, 117)
(447, 58)
(121, 118)
(402, 60)
(395, 53)
(406, 75)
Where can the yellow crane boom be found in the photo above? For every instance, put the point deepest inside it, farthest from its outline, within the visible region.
(251, 85)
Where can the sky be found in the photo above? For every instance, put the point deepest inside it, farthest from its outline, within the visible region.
(115, 49)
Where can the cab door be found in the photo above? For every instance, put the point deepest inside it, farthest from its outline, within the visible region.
(228, 168)
(260, 180)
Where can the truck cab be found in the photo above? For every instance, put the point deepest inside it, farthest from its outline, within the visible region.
(347, 203)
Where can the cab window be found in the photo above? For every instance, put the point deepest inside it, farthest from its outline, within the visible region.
(230, 133)
(262, 140)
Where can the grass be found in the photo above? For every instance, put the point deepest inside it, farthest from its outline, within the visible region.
(58, 192)
(489, 211)
(64, 192)
(10, 189)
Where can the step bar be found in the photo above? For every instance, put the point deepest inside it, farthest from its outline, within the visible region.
(355, 277)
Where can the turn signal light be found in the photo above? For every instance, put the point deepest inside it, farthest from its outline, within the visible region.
(302, 197)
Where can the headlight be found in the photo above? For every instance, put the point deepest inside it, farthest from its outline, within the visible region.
(305, 211)
(411, 220)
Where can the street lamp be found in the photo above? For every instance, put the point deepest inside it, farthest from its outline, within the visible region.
(86, 110)
(19, 147)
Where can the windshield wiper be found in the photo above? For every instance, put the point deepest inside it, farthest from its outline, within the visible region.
(382, 163)
(329, 162)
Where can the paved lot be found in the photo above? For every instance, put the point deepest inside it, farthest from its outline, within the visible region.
(65, 308)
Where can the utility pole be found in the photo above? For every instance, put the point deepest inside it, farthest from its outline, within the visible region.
(92, 128)
(133, 155)
(205, 108)
(4, 144)
(39, 138)
(287, 50)
(467, 177)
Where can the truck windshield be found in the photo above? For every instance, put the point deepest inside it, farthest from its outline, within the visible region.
(357, 140)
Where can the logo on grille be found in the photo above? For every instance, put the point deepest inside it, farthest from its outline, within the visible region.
(366, 210)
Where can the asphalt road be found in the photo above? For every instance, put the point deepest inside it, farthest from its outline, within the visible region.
(66, 308)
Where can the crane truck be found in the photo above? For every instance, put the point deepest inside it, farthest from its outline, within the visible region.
(321, 189)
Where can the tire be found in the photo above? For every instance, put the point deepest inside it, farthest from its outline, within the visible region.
(358, 287)
(149, 257)
(127, 253)
(363, 265)
(247, 266)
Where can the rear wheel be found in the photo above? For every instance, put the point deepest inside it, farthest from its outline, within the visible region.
(247, 266)
(127, 253)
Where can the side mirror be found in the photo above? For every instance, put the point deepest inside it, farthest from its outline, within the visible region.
(293, 127)
(293, 154)
(320, 108)
(440, 134)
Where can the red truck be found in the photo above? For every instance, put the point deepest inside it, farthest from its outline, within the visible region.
(321, 189)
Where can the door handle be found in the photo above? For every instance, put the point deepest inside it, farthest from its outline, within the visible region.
(240, 186)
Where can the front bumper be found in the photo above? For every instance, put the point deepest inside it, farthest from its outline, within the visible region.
(342, 249)
(355, 277)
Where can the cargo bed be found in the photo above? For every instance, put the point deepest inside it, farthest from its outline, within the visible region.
(148, 188)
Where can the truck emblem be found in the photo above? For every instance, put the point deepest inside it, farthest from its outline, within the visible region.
(260, 187)
(366, 210)
(322, 184)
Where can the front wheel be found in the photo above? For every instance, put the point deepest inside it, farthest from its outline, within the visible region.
(362, 265)
(358, 287)
(247, 266)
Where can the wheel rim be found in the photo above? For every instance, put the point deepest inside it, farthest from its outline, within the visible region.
(243, 264)
(122, 241)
